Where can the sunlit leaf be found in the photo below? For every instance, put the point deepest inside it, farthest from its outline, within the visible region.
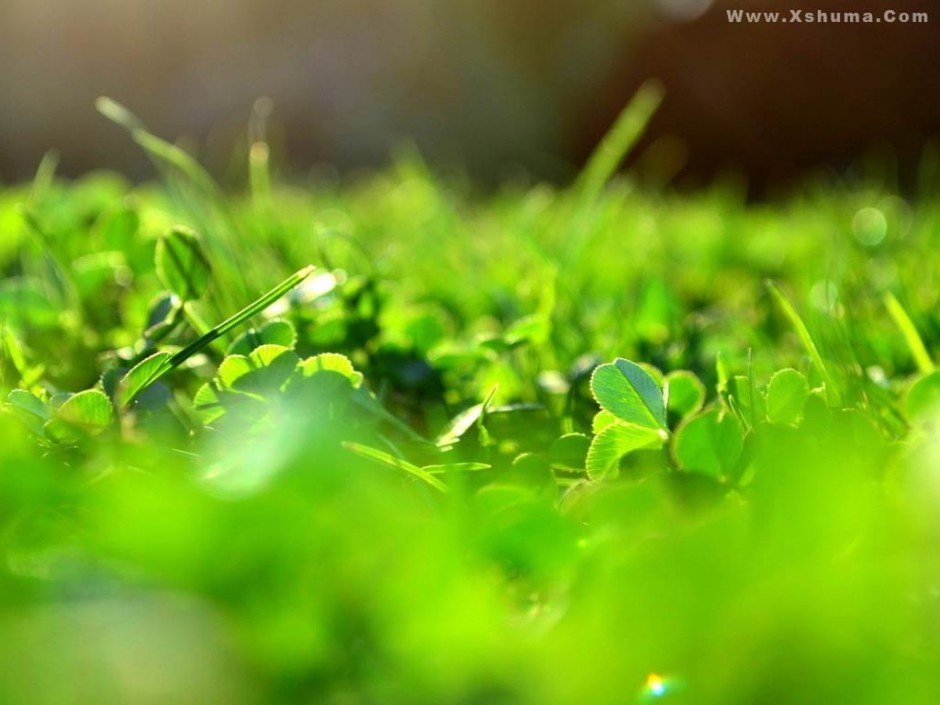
(616, 441)
(786, 396)
(570, 452)
(233, 368)
(710, 443)
(924, 396)
(271, 333)
(685, 393)
(806, 339)
(332, 362)
(90, 407)
(141, 376)
(30, 409)
(380, 456)
(629, 392)
(182, 265)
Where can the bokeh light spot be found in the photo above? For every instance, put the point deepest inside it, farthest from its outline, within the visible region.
(655, 685)
(870, 226)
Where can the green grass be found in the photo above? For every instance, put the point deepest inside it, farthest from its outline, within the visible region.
(590, 445)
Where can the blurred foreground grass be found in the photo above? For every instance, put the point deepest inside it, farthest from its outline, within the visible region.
(392, 489)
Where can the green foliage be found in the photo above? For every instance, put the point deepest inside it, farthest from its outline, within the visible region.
(142, 375)
(806, 339)
(89, 408)
(786, 396)
(75, 415)
(924, 396)
(614, 442)
(626, 131)
(331, 362)
(397, 463)
(685, 393)
(477, 455)
(911, 336)
(633, 416)
(570, 452)
(710, 444)
(182, 265)
(628, 392)
(271, 333)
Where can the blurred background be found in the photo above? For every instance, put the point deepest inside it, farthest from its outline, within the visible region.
(493, 87)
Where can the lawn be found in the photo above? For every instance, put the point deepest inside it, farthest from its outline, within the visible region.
(390, 439)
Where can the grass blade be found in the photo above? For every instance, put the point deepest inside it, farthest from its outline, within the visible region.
(171, 161)
(44, 178)
(390, 460)
(118, 114)
(617, 143)
(253, 309)
(172, 155)
(914, 342)
(141, 376)
(159, 149)
(602, 165)
(809, 344)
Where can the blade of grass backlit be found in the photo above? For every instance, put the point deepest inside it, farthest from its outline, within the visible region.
(259, 153)
(159, 149)
(914, 342)
(253, 309)
(617, 143)
(607, 157)
(809, 344)
(170, 160)
(118, 114)
(45, 175)
(384, 458)
(175, 157)
(63, 280)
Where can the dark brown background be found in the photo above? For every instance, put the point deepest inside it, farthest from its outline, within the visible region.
(491, 85)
